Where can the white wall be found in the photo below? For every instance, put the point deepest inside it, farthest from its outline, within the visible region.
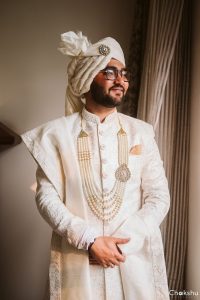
(32, 88)
(193, 263)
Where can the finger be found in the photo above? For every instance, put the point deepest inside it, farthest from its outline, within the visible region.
(120, 251)
(115, 255)
(121, 241)
(120, 257)
(114, 262)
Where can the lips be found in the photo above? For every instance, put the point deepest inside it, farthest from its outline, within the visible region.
(117, 92)
(117, 89)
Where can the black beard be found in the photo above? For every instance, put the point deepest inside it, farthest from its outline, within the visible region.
(101, 98)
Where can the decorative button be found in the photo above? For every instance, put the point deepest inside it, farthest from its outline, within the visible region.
(104, 50)
(104, 175)
(104, 161)
(105, 190)
(100, 132)
(102, 147)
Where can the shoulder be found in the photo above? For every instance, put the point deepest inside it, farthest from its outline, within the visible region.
(51, 128)
(53, 125)
(138, 126)
(60, 122)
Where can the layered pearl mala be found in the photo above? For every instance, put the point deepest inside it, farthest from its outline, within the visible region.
(104, 205)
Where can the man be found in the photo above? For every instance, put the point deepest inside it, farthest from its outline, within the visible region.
(100, 184)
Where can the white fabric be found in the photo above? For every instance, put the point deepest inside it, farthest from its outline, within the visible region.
(145, 204)
(86, 62)
(62, 221)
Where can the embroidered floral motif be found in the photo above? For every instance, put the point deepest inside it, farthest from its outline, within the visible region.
(159, 270)
(55, 268)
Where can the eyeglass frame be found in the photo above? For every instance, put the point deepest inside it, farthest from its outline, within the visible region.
(117, 72)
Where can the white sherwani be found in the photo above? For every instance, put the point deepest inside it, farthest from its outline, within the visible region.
(62, 203)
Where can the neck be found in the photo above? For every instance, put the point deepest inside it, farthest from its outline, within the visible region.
(101, 111)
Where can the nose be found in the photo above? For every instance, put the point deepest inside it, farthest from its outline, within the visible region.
(121, 82)
(119, 79)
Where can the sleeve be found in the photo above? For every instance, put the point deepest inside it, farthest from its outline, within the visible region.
(76, 230)
(154, 185)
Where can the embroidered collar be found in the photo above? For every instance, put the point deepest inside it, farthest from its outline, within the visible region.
(90, 117)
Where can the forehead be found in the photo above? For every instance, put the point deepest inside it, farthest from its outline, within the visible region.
(115, 63)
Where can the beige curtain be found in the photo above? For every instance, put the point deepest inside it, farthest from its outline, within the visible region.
(163, 101)
(173, 139)
(163, 28)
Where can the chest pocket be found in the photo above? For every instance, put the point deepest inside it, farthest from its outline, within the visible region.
(135, 163)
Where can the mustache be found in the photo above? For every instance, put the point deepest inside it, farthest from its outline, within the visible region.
(117, 86)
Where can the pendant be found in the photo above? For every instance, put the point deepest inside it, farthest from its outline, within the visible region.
(123, 173)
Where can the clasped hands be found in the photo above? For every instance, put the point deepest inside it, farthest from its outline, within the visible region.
(106, 252)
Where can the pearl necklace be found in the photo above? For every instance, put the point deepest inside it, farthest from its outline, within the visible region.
(104, 205)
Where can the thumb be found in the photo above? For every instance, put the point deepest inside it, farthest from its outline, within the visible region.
(121, 240)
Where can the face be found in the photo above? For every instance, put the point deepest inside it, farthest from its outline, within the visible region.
(109, 93)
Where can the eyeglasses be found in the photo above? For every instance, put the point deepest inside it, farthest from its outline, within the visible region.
(111, 73)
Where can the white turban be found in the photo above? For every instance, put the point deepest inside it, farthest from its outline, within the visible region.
(86, 61)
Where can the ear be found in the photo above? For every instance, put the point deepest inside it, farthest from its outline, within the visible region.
(88, 97)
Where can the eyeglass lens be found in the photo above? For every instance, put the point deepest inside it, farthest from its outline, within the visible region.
(112, 74)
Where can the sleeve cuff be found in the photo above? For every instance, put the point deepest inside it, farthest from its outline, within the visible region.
(87, 238)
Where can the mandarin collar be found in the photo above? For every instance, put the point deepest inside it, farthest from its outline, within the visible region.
(90, 117)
